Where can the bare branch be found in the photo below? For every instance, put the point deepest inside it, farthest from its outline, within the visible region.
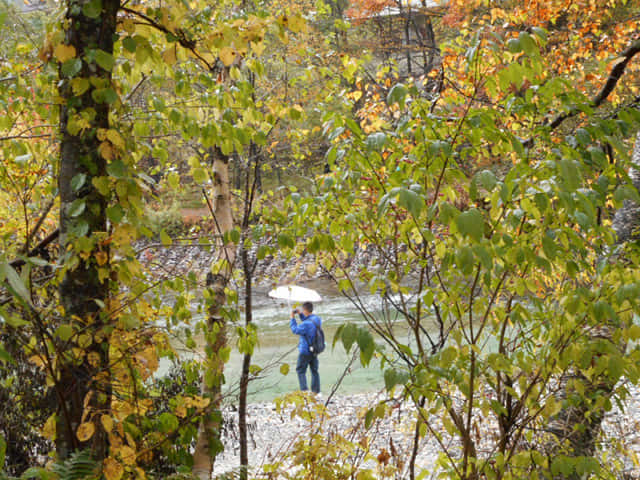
(612, 81)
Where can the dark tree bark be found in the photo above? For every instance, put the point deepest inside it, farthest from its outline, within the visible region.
(246, 363)
(83, 293)
(248, 270)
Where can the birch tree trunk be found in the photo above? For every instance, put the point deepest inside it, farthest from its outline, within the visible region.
(83, 292)
(578, 424)
(209, 442)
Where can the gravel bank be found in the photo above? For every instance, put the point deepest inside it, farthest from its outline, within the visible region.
(273, 432)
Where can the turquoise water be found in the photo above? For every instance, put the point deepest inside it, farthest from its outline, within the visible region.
(278, 345)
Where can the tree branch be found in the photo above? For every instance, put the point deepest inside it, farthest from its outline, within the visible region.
(616, 73)
(179, 35)
(37, 249)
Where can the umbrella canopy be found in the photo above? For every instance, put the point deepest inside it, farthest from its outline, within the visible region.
(294, 293)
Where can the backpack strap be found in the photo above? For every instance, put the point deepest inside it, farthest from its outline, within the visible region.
(314, 333)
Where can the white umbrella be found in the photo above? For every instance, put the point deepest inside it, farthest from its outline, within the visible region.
(294, 293)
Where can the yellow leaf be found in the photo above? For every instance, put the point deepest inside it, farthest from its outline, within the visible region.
(297, 24)
(64, 52)
(200, 402)
(128, 455)
(79, 85)
(112, 469)
(37, 360)
(227, 55)
(101, 257)
(115, 138)
(181, 411)
(101, 134)
(85, 431)
(49, 428)
(128, 25)
(257, 48)
(94, 359)
(106, 151)
(107, 423)
(169, 55)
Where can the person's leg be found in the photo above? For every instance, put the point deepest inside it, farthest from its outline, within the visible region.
(315, 375)
(301, 369)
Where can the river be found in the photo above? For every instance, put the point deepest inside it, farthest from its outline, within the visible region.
(277, 345)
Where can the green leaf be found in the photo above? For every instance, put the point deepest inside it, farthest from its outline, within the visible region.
(397, 94)
(465, 259)
(570, 174)
(366, 345)
(117, 169)
(92, 9)
(284, 369)
(104, 59)
(16, 284)
(528, 43)
(392, 378)
(295, 113)
(78, 181)
(79, 228)
(376, 141)
(471, 223)
(76, 207)
(263, 250)
(199, 175)
(165, 238)
(440, 147)
(514, 46)
(487, 180)
(104, 95)
(549, 247)
(71, 67)
(368, 418)
(541, 33)
(130, 44)
(115, 213)
(285, 241)
(37, 472)
(5, 357)
(64, 332)
(167, 422)
(411, 200)
(234, 235)
(102, 184)
(348, 335)
(626, 192)
(3, 450)
(173, 179)
(561, 465)
(447, 212)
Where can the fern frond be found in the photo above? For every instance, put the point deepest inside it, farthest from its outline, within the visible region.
(79, 466)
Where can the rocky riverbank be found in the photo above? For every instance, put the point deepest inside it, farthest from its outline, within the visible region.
(275, 431)
(186, 256)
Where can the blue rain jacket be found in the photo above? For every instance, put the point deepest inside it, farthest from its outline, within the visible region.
(306, 330)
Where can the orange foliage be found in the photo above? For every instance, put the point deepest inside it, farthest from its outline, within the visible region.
(582, 33)
(363, 9)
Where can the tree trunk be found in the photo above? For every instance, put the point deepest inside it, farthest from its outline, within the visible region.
(244, 377)
(209, 442)
(83, 293)
(578, 424)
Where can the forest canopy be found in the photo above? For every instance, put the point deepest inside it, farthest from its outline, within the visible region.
(470, 165)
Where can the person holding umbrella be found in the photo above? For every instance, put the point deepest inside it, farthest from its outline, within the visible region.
(306, 330)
